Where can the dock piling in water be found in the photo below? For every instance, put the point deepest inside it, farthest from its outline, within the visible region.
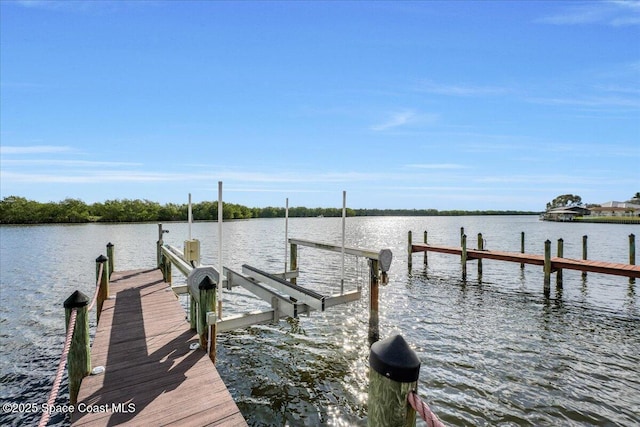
(463, 255)
(409, 250)
(480, 248)
(522, 247)
(426, 262)
(550, 265)
(560, 255)
(632, 253)
(374, 321)
(547, 267)
(584, 253)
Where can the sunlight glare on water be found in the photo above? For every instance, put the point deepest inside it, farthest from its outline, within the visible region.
(494, 350)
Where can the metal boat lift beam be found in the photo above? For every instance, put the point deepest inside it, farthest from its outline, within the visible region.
(285, 306)
(303, 295)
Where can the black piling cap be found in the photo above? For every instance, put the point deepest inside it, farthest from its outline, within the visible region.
(207, 283)
(102, 258)
(393, 358)
(77, 299)
(109, 245)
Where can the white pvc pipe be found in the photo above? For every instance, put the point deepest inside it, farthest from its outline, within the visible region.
(220, 272)
(344, 214)
(286, 233)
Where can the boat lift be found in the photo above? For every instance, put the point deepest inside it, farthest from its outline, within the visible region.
(287, 299)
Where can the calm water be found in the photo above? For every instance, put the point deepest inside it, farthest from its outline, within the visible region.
(494, 350)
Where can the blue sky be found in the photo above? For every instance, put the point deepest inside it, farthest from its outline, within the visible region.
(445, 105)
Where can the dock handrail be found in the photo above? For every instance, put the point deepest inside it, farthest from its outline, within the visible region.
(77, 345)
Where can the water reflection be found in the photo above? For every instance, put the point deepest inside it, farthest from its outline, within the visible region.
(494, 349)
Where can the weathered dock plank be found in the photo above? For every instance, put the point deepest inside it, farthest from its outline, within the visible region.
(151, 377)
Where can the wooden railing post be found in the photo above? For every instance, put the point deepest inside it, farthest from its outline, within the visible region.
(193, 313)
(394, 370)
(103, 290)
(159, 244)
(166, 270)
(159, 247)
(207, 304)
(110, 255)
(79, 357)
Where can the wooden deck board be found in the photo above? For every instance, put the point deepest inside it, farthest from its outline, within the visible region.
(143, 341)
(602, 267)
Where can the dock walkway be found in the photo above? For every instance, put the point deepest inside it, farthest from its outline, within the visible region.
(151, 377)
(557, 263)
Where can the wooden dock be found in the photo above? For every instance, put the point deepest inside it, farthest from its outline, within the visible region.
(152, 376)
(557, 263)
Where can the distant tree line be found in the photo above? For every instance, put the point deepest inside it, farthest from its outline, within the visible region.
(19, 210)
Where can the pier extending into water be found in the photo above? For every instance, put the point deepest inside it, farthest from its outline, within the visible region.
(550, 264)
(155, 372)
(150, 363)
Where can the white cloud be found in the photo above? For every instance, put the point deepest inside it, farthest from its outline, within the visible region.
(437, 166)
(65, 163)
(405, 118)
(613, 13)
(462, 89)
(35, 149)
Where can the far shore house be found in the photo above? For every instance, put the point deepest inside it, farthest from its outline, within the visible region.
(565, 213)
(616, 209)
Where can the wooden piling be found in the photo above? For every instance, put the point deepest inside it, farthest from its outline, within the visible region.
(79, 357)
(463, 257)
(103, 290)
(409, 251)
(394, 370)
(110, 255)
(522, 247)
(632, 253)
(374, 321)
(165, 267)
(584, 253)
(294, 261)
(426, 262)
(193, 313)
(481, 248)
(560, 255)
(547, 267)
(159, 244)
(207, 304)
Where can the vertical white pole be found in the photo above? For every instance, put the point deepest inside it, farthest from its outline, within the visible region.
(221, 275)
(344, 214)
(190, 216)
(286, 234)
